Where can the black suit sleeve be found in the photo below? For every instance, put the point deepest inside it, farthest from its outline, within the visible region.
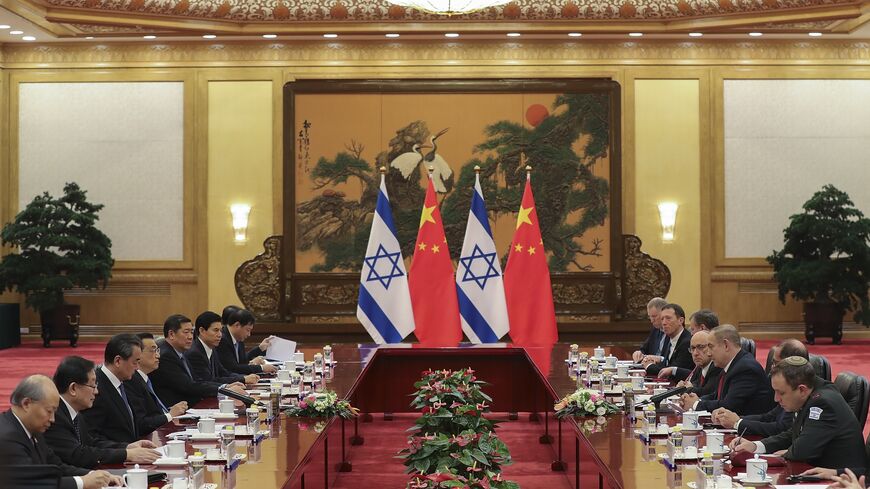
(149, 416)
(770, 423)
(173, 384)
(62, 440)
(254, 353)
(227, 357)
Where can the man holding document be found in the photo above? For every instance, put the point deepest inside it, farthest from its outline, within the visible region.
(238, 324)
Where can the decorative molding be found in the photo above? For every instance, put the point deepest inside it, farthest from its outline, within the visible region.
(453, 55)
(579, 293)
(742, 276)
(258, 281)
(123, 289)
(329, 294)
(349, 11)
(645, 277)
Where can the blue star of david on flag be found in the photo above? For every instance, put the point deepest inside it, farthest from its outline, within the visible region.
(385, 311)
(482, 309)
(481, 272)
(380, 272)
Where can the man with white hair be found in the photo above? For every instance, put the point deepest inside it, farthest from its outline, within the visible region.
(654, 343)
(34, 402)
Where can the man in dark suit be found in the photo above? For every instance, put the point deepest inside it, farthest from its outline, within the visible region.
(654, 342)
(151, 412)
(69, 436)
(676, 352)
(704, 378)
(203, 359)
(34, 402)
(173, 380)
(743, 387)
(703, 320)
(238, 324)
(774, 421)
(825, 432)
(112, 416)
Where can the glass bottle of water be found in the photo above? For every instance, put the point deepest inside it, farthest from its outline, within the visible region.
(327, 357)
(253, 420)
(228, 435)
(308, 373)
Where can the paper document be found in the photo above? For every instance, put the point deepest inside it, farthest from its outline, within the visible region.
(801, 486)
(280, 349)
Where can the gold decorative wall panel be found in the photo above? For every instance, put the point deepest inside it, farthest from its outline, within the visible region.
(498, 56)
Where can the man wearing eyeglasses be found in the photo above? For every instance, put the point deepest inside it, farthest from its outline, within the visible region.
(151, 412)
(69, 435)
(26, 460)
(705, 376)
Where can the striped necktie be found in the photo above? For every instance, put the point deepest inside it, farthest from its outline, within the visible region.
(76, 428)
(129, 409)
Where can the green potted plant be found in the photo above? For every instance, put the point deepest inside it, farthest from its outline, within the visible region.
(825, 262)
(56, 247)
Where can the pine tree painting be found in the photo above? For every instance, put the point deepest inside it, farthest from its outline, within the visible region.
(563, 143)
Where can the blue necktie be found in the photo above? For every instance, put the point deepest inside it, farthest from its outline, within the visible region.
(156, 397)
(129, 410)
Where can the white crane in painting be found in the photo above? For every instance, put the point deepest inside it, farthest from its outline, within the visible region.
(441, 171)
(406, 162)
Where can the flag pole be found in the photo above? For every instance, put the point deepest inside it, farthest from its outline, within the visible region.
(528, 172)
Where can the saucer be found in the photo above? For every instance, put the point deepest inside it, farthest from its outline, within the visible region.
(204, 436)
(166, 461)
(742, 478)
(652, 433)
(725, 451)
(694, 485)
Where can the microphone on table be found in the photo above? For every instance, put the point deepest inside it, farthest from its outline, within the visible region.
(658, 398)
(239, 397)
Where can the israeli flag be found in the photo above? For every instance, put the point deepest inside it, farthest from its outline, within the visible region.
(384, 306)
(479, 283)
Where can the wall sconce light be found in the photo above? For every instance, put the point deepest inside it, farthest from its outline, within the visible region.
(668, 216)
(240, 214)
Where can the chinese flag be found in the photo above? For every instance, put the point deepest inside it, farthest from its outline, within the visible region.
(527, 281)
(433, 287)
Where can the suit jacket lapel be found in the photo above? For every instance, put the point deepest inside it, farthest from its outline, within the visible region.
(120, 406)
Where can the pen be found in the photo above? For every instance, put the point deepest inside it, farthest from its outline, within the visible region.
(740, 437)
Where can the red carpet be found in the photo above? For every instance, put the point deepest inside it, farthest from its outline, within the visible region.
(374, 464)
(31, 358)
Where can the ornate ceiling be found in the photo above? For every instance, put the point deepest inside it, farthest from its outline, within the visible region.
(110, 18)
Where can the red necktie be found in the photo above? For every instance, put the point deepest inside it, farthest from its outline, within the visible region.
(702, 379)
(721, 384)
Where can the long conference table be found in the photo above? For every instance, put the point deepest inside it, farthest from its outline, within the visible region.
(593, 453)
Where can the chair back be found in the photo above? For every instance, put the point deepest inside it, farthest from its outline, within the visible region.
(822, 366)
(856, 391)
(769, 364)
(748, 345)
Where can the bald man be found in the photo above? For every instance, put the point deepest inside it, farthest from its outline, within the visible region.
(34, 402)
(705, 376)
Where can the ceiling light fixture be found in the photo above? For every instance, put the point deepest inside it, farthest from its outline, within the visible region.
(149, 37)
(755, 34)
(89, 37)
(575, 34)
(208, 36)
(270, 36)
(696, 34)
(449, 7)
(513, 34)
(635, 34)
(815, 34)
(28, 38)
(451, 34)
(391, 35)
(5, 26)
(330, 36)
(16, 33)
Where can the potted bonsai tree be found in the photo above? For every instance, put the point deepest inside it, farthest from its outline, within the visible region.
(825, 262)
(56, 247)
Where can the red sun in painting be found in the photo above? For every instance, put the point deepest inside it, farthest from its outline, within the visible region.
(536, 113)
